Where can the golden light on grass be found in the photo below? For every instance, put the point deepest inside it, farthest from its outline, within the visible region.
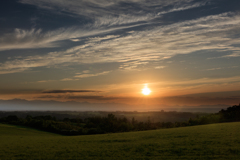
(146, 91)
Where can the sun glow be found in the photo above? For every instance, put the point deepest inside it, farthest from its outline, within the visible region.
(146, 91)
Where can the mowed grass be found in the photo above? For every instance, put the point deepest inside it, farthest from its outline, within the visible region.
(215, 141)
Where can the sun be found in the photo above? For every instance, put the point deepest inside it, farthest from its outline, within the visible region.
(146, 91)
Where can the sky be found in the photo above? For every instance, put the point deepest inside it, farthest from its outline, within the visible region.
(187, 52)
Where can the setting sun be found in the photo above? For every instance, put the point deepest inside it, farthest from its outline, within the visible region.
(146, 90)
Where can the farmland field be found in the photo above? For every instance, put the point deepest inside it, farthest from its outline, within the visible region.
(215, 141)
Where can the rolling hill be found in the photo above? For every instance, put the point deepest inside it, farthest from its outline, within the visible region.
(214, 141)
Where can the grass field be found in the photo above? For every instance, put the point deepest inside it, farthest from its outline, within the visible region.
(215, 141)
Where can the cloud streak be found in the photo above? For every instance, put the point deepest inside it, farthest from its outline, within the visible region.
(102, 17)
(86, 75)
(139, 47)
(69, 91)
(36, 38)
(194, 100)
(113, 8)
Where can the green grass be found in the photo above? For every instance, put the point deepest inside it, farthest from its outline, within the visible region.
(215, 141)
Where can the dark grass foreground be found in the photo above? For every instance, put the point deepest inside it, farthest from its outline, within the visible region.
(214, 141)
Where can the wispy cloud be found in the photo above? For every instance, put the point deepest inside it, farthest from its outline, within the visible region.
(85, 75)
(213, 69)
(115, 12)
(69, 91)
(68, 79)
(101, 14)
(181, 7)
(220, 68)
(36, 38)
(45, 81)
(101, 8)
(140, 47)
(160, 67)
(192, 100)
(234, 54)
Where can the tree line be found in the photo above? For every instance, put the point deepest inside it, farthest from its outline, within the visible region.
(113, 124)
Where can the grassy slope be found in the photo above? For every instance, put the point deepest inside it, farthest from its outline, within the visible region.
(216, 141)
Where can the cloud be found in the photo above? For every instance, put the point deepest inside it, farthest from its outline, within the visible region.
(234, 54)
(182, 8)
(122, 20)
(81, 98)
(192, 100)
(213, 69)
(114, 12)
(12, 70)
(75, 40)
(104, 16)
(36, 38)
(85, 71)
(98, 39)
(19, 91)
(85, 75)
(218, 68)
(44, 81)
(188, 100)
(98, 98)
(211, 98)
(160, 67)
(33, 38)
(91, 98)
(137, 48)
(100, 8)
(234, 79)
(69, 91)
(69, 79)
